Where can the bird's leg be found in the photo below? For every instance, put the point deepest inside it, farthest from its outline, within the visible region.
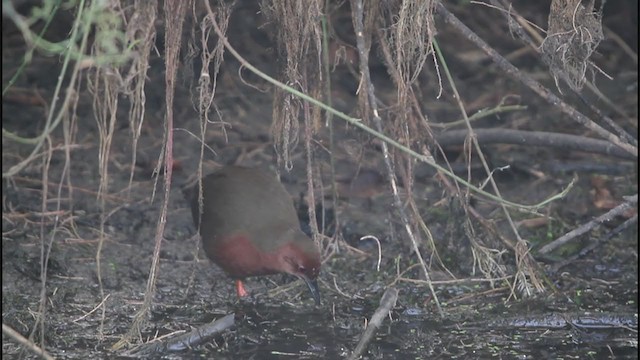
(240, 289)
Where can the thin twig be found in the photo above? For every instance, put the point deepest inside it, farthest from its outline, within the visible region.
(10, 332)
(366, 237)
(100, 305)
(599, 241)
(608, 216)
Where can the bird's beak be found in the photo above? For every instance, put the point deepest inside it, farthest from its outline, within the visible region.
(313, 288)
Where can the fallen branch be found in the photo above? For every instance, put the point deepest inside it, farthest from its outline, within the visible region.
(618, 210)
(599, 241)
(536, 138)
(387, 302)
(185, 341)
(10, 332)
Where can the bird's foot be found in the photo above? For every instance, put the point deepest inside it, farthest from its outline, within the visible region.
(242, 292)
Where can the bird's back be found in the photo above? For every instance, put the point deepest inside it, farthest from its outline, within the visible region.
(238, 199)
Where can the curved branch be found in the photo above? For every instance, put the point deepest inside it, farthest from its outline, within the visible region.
(536, 138)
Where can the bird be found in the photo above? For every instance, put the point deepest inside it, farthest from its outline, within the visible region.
(249, 227)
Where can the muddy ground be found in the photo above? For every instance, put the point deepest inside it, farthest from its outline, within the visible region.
(588, 311)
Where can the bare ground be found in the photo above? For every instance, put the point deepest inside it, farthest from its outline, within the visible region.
(589, 310)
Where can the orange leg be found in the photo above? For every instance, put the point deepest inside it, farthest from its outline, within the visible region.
(240, 289)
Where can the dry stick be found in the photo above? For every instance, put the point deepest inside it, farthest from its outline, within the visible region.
(140, 31)
(106, 107)
(10, 332)
(511, 70)
(358, 15)
(329, 119)
(387, 302)
(311, 209)
(100, 305)
(206, 94)
(454, 281)
(201, 334)
(610, 215)
(480, 114)
(535, 138)
(45, 251)
(113, 198)
(174, 13)
(185, 341)
(599, 241)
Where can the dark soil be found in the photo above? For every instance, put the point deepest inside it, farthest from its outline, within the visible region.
(588, 311)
